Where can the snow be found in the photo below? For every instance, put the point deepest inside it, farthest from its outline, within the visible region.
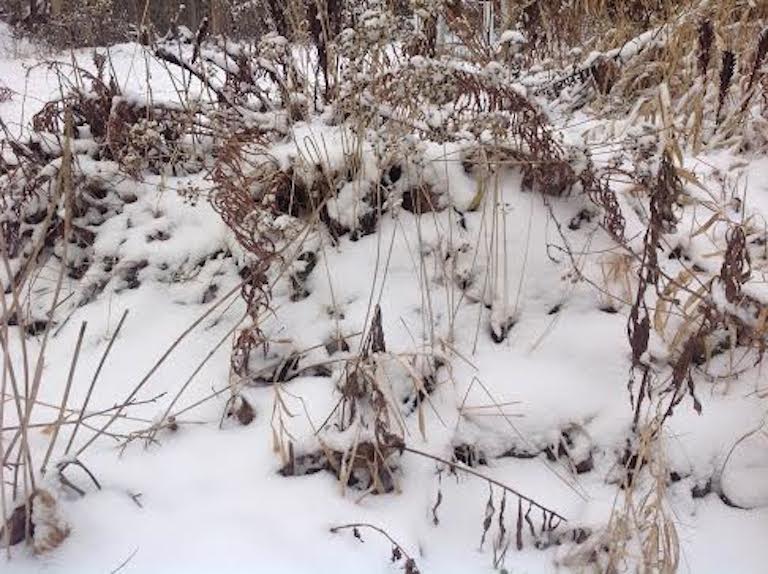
(14, 48)
(208, 497)
(512, 37)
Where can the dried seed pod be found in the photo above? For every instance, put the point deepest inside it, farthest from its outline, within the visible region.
(761, 51)
(726, 78)
(706, 40)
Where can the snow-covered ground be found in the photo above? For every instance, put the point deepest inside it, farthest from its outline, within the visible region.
(208, 497)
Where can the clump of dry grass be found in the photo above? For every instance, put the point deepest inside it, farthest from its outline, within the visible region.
(680, 53)
(49, 205)
(28, 510)
(691, 312)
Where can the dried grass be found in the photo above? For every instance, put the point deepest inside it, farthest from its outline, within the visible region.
(396, 88)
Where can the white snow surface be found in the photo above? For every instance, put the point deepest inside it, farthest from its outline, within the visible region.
(208, 497)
